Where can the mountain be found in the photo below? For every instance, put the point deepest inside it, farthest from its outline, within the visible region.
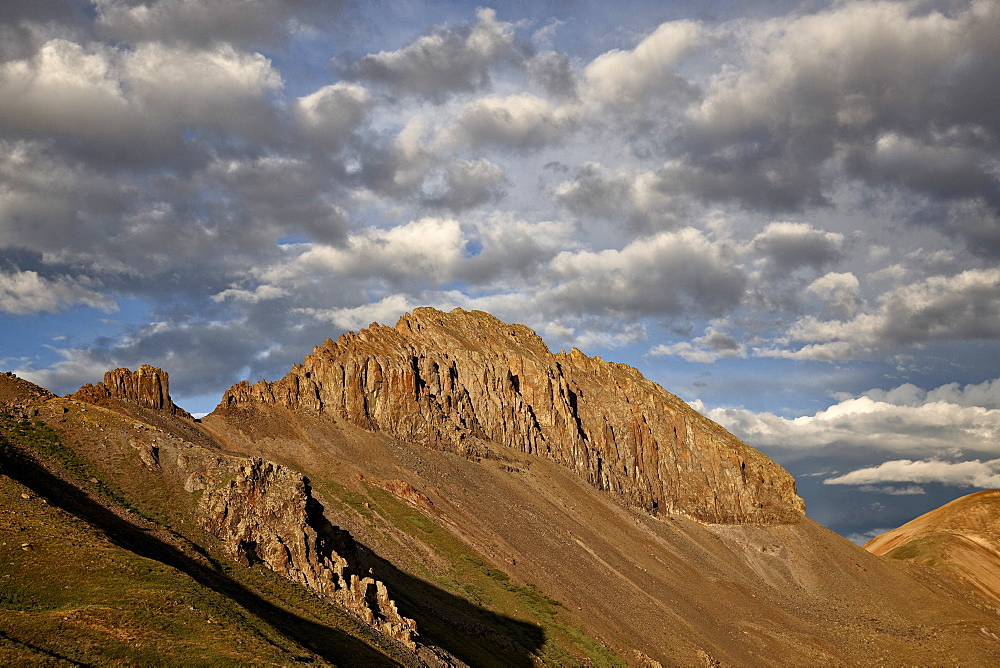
(441, 492)
(959, 541)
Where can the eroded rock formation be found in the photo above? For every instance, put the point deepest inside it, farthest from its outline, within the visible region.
(265, 513)
(147, 387)
(450, 380)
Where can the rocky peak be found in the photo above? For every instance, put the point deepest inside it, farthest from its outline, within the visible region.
(453, 380)
(147, 387)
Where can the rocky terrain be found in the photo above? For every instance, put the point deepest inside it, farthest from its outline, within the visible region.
(441, 492)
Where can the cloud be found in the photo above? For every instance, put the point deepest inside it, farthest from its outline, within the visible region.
(135, 102)
(620, 77)
(470, 183)
(427, 250)
(708, 348)
(521, 121)
(331, 114)
(23, 292)
(665, 274)
(386, 311)
(839, 291)
(909, 490)
(787, 247)
(621, 197)
(552, 71)
(974, 473)
(904, 419)
(889, 91)
(444, 61)
(205, 22)
(939, 308)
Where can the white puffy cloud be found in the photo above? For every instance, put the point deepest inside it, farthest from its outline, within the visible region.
(939, 308)
(973, 473)
(331, 113)
(428, 249)
(23, 292)
(117, 96)
(387, 310)
(65, 88)
(840, 292)
(668, 273)
(626, 77)
(889, 91)
(904, 419)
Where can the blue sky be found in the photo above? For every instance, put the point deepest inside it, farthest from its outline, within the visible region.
(787, 213)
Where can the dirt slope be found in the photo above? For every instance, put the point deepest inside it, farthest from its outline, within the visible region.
(960, 541)
(668, 588)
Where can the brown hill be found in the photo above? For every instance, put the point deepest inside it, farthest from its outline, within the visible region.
(960, 540)
(518, 507)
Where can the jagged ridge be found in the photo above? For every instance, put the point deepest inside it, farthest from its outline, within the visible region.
(451, 380)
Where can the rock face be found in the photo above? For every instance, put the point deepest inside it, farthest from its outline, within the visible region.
(455, 380)
(147, 387)
(264, 513)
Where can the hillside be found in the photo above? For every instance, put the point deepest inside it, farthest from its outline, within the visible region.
(960, 541)
(442, 491)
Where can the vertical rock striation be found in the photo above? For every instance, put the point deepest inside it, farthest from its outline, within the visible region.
(147, 387)
(265, 513)
(450, 380)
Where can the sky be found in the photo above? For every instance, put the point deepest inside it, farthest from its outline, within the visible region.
(787, 213)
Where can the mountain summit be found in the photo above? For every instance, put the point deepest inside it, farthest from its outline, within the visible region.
(444, 492)
(456, 380)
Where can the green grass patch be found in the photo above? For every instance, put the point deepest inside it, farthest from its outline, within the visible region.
(925, 549)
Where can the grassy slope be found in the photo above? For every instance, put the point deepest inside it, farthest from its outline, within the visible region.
(100, 582)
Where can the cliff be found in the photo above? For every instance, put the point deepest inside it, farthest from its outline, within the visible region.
(147, 387)
(265, 513)
(455, 380)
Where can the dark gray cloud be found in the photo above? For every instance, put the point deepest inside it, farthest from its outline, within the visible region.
(254, 23)
(445, 61)
(552, 71)
(789, 247)
(469, 184)
(892, 91)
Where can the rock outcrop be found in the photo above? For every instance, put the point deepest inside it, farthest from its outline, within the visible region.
(19, 397)
(455, 380)
(147, 387)
(265, 513)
